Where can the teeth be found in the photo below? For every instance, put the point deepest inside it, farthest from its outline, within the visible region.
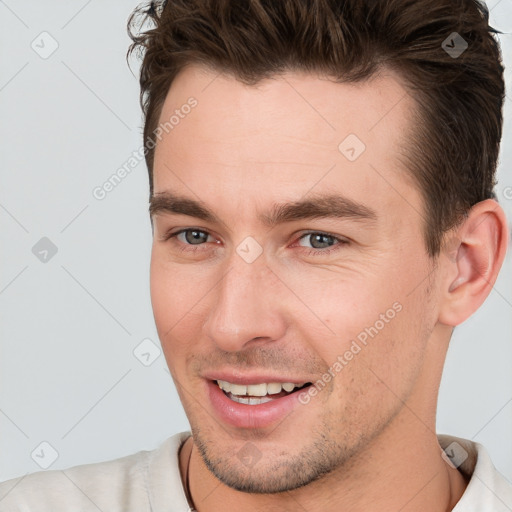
(263, 389)
(250, 401)
(256, 389)
(238, 389)
(273, 388)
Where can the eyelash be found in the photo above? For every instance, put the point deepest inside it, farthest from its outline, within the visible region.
(311, 252)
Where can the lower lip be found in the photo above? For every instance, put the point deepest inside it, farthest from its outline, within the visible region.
(251, 416)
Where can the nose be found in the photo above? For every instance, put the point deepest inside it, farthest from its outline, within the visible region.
(246, 309)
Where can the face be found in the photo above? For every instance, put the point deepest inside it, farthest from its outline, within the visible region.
(289, 253)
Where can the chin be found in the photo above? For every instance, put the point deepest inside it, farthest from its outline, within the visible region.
(251, 471)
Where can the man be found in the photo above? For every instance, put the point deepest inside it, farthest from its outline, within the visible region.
(321, 195)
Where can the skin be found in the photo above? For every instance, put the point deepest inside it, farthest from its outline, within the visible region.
(239, 151)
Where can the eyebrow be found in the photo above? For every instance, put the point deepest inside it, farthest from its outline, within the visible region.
(315, 207)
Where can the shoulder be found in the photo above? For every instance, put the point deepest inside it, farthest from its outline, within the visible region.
(119, 485)
(87, 487)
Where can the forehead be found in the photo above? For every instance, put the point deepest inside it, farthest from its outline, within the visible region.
(295, 131)
(304, 103)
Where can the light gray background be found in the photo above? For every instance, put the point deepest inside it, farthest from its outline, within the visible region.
(68, 375)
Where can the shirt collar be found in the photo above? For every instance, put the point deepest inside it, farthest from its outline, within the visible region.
(487, 489)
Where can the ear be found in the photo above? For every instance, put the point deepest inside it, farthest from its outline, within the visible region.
(473, 255)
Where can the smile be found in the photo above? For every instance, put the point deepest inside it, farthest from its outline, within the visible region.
(255, 394)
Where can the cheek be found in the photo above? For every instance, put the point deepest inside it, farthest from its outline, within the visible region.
(175, 288)
(336, 309)
(179, 297)
(162, 295)
(171, 297)
(383, 356)
(366, 323)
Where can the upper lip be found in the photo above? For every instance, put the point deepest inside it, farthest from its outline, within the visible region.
(252, 378)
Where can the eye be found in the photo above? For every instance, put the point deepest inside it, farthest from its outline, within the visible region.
(321, 243)
(189, 239)
(192, 236)
(318, 240)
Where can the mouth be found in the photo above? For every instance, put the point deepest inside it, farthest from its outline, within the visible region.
(255, 400)
(257, 394)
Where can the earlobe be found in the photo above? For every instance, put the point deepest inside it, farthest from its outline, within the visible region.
(476, 251)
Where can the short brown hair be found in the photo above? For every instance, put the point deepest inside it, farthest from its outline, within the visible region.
(453, 151)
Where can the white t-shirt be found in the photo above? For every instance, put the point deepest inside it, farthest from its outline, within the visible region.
(150, 481)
